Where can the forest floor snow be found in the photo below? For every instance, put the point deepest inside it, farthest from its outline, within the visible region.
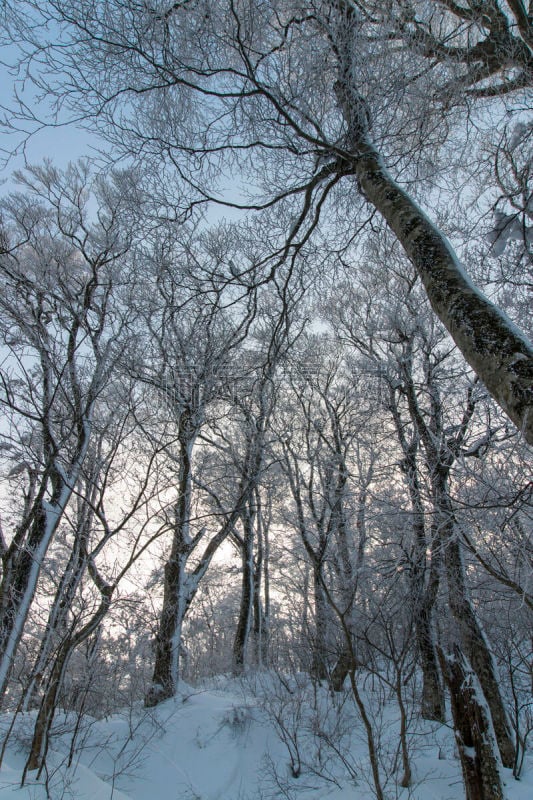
(234, 740)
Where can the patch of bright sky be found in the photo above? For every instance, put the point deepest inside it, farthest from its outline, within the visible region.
(23, 144)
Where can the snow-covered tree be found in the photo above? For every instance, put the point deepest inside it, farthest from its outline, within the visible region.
(64, 326)
(312, 104)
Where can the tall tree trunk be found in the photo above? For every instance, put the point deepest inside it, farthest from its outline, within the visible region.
(22, 568)
(349, 576)
(244, 624)
(432, 703)
(477, 650)
(177, 594)
(58, 615)
(441, 452)
(262, 581)
(425, 587)
(495, 349)
(45, 717)
(260, 623)
(322, 633)
(473, 641)
(473, 730)
(168, 639)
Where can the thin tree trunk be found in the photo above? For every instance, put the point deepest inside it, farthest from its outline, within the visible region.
(404, 724)
(20, 581)
(48, 706)
(425, 588)
(371, 742)
(432, 703)
(244, 624)
(424, 582)
(57, 617)
(260, 618)
(261, 581)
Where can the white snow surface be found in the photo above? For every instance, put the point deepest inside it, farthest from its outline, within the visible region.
(220, 741)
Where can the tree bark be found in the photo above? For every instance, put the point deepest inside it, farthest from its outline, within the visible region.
(48, 706)
(424, 582)
(176, 593)
(495, 349)
(244, 624)
(346, 663)
(441, 452)
(168, 640)
(473, 730)
(477, 650)
(321, 649)
(57, 617)
(22, 567)
(261, 609)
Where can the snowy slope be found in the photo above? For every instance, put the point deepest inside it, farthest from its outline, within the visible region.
(223, 742)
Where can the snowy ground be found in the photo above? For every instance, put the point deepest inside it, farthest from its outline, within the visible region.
(224, 742)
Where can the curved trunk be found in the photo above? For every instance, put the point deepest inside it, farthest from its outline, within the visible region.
(23, 561)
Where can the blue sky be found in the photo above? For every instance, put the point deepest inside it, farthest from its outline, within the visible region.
(60, 144)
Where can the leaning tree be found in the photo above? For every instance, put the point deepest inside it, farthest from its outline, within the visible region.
(318, 105)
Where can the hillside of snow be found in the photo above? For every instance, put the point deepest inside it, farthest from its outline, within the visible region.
(274, 737)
